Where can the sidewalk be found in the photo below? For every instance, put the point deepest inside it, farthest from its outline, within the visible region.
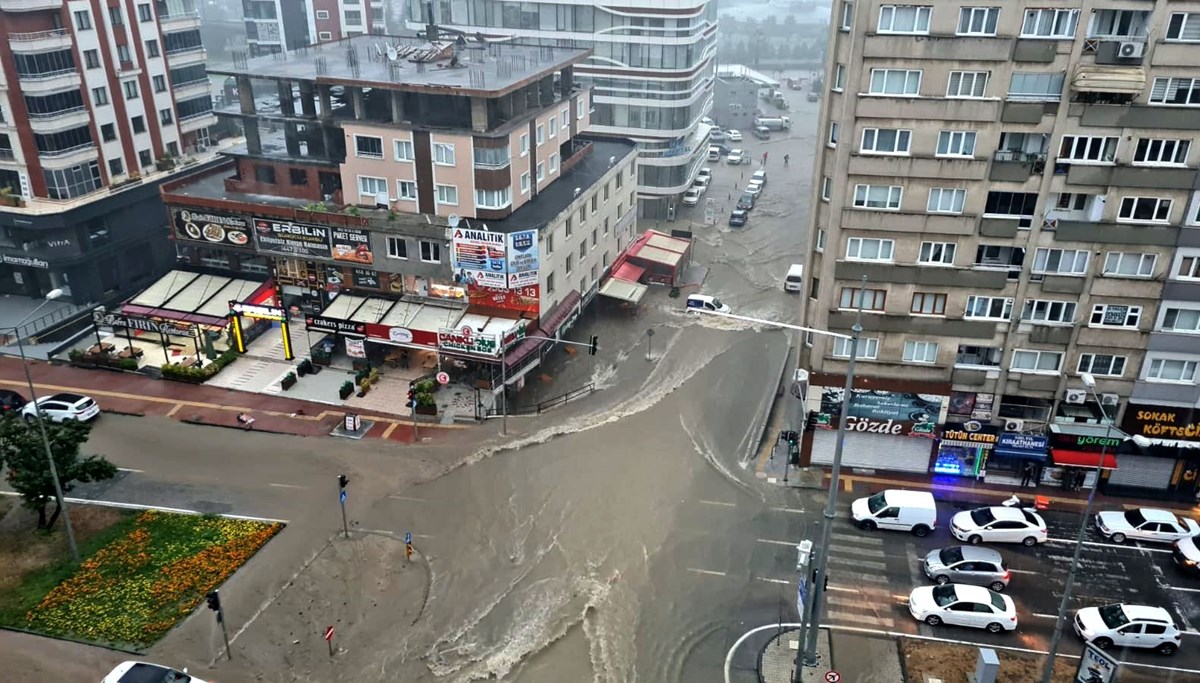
(859, 659)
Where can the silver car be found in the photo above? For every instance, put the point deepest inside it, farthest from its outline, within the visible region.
(968, 564)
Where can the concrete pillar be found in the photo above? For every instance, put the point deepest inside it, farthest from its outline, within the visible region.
(397, 107)
(520, 102)
(246, 95)
(566, 81)
(504, 107)
(359, 105)
(326, 142)
(479, 114)
(323, 91)
(287, 103)
(546, 91)
(253, 141)
(291, 139)
(308, 101)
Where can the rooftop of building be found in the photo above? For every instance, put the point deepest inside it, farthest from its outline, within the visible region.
(743, 71)
(465, 66)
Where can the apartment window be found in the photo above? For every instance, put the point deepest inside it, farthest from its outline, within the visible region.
(298, 176)
(262, 174)
(904, 82)
(1188, 268)
(165, 116)
(580, 108)
(885, 141)
(826, 187)
(1060, 261)
(541, 135)
(847, 16)
(324, 35)
(583, 250)
(144, 13)
(115, 17)
(979, 356)
(431, 252)
(549, 244)
(152, 48)
(865, 249)
(447, 194)
(397, 247)
(834, 129)
(541, 171)
(368, 146)
(937, 254)
(1113, 315)
(920, 352)
(873, 300)
(1010, 203)
(1184, 27)
(99, 96)
(402, 150)
(554, 164)
(83, 20)
(322, 14)
(1176, 91)
(493, 199)
(550, 283)
(146, 160)
(525, 182)
(1161, 152)
(904, 19)
(406, 190)
(109, 132)
(815, 289)
(160, 84)
(1036, 361)
(131, 89)
(1186, 320)
(116, 167)
(1126, 264)
(595, 204)
(820, 243)
(978, 21)
(1145, 209)
(967, 84)
(988, 308)
(370, 186)
(1035, 86)
(443, 153)
(91, 58)
(123, 54)
(868, 348)
(569, 224)
(925, 303)
(946, 200)
(1088, 148)
(882, 197)
(596, 236)
(565, 117)
(353, 17)
(956, 143)
(839, 77)
(1168, 370)
(570, 263)
(552, 126)
(1046, 311)
(524, 144)
(1050, 23)
(1101, 364)
(138, 123)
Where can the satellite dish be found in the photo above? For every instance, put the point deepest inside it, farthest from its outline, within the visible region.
(452, 219)
(391, 53)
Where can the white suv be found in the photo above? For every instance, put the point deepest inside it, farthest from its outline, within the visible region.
(1128, 626)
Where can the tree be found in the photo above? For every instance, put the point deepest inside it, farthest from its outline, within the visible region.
(23, 455)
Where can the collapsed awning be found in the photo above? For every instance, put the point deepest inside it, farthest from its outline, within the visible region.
(623, 290)
(561, 312)
(1066, 458)
(1129, 80)
(629, 271)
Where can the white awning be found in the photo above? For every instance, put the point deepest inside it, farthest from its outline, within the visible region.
(623, 290)
(1114, 79)
(1170, 443)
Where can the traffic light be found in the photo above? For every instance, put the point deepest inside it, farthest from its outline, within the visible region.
(342, 481)
(214, 601)
(592, 349)
(412, 396)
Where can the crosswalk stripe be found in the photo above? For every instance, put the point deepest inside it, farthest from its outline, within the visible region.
(851, 579)
(855, 562)
(839, 615)
(838, 548)
(858, 538)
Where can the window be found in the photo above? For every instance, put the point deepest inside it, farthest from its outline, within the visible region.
(1147, 209)
(524, 144)
(1184, 27)
(570, 263)
(431, 252)
(904, 19)
(1101, 364)
(1112, 315)
(1035, 86)
(904, 82)
(834, 129)
(1129, 264)
(406, 190)
(864, 249)
(839, 78)
(979, 356)
(920, 352)
(946, 200)
(826, 187)
(1186, 320)
(1188, 268)
(1176, 91)
(164, 115)
(541, 171)
(552, 126)
(978, 21)
(152, 48)
(873, 301)
(353, 17)
(397, 247)
(1050, 23)
(820, 244)
(868, 348)
(1160, 151)
(298, 176)
(493, 199)
(131, 90)
(83, 20)
(988, 308)
(322, 14)
(368, 146)
(1088, 148)
(847, 16)
(115, 16)
(580, 107)
(123, 54)
(146, 160)
(1045, 311)
(924, 303)
(264, 174)
(446, 194)
(554, 164)
(550, 243)
(1166, 370)
(565, 118)
(369, 186)
(324, 35)
(1036, 361)
(99, 96)
(525, 182)
(402, 150)
(878, 196)
(1060, 261)
(443, 154)
(569, 224)
(108, 131)
(116, 166)
(160, 84)
(967, 84)
(937, 254)
(1010, 203)
(956, 143)
(91, 58)
(541, 135)
(885, 141)
(139, 124)
(583, 249)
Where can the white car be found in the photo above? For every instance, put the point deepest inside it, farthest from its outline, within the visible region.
(145, 672)
(999, 524)
(734, 135)
(1128, 626)
(957, 604)
(707, 121)
(760, 176)
(735, 157)
(705, 172)
(691, 197)
(702, 183)
(755, 188)
(1145, 524)
(59, 407)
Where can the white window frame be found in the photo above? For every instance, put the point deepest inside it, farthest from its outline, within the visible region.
(1155, 366)
(322, 14)
(1161, 151)
(380, 183)
(869, 142)
(826, 188)
(445, 195)
(324, 35)
(1186, 266)
(937, 253)
(1143, 264)
(552, 126)
(395, 245)
(1129, 207)
(892, 202)
(1189, 22)
(868, 348)
(1166, 86)
(502, 197)
(981, 16)
(1075, 268)
(1176, 311)
(847, 16)
(911, 86)
(525, 182)
(916, 24)
(1089, 149)
(854, 249)
(554, 163)
(974, 83)
(957, 142)
(402, 150)
(835, 130)
(402, 190)
(839, 78)
(443, 154)
(565, 117)
(819, 245)
(1048, 312)
(1037, 362)
(923, 352)
(1090, 363)
(988, 304)
(429, 249)
(541, 135)
(524, 144)
(946, 200)
(1061, 23)
(541, 171)
(363, 155)
(1130, 320)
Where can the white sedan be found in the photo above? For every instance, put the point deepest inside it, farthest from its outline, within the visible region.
(999, 525)
(691, 197)
(1128, 626)
(734, 135)
(735, 157)
(961, 605)
(60, 407)
(754, 188)
(1145, 524)
(145, 672)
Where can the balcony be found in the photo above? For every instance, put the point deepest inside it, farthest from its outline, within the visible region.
(1027, 112)
(1131, 288)
(1174, 54)
(894, 221)
(1034, 51)
(51, 82)
(187, 56)
(59, 121)
(197, 121)
(40, 41)
(179, 21)
(1062, 284)
(915, 275)
(950, 48)
(1136, 116)
(999, 227)
(930, 109)
(969, 377)
(66, 158)
(946, 327)
(916, 167)
(1017, 167)
(191, 89)
(30, 5)
(1117, 233)
(1049, 334)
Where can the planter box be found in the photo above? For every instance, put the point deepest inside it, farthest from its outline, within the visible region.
(426, 410)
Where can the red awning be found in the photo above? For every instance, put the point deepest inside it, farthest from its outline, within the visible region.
(561, 312)
(630, 272)
(1067, 458)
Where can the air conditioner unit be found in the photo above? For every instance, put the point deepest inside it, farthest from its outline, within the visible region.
(1076, 396)
(1130, 50)
(1108, 399)
(1014, 425)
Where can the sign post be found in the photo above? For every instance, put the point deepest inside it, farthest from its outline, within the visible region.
(408, 549)
(1095, 666)
(329, 638)
(214, 604)
(342, 481)
(649, 343)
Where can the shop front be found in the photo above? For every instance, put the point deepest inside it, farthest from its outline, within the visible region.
(1078, 448)
(1166, 459)
(963, 448)
(398, 334)
(1012, 451)
(479, 345)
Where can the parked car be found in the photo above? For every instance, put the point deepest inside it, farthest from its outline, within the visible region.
(762, 132)
(968, 564)
(760, 176)
(738, 218)
(64, 406)
(1128, 626)
(896, 509)
(11, 402)
(960, 605)
(705, 172)
(1187, 555)
(714, 153)
(717, 135)
(746, 201)
(754, 188)
(691, 197)
(145, 672)
(734, 135)
(707, 120)
(703, 302)
(999, 524)
(736, 157)
(1145, 524)
(813, 96)
(701, 183)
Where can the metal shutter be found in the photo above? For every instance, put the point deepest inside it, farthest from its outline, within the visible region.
(1142, 471)
(874, 451)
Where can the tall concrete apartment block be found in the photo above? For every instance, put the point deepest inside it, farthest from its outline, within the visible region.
(651, 70)
(1018, 184)
(98, 102)
(275, 25)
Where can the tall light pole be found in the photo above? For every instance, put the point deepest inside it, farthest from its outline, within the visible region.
(1048, 670)
(58, 493)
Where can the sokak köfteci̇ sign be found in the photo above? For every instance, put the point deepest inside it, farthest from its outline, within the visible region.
(215, 228)
(292, 239)
(1162, 422)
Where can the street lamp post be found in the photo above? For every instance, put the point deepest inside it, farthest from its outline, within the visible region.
(591, 345)
(1048, 670)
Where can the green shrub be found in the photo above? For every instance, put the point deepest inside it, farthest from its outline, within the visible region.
(75, 355)
(128, 364)
(346, 389)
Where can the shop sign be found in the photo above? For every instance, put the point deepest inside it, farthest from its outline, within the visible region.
(401, 335)
(883, 405)
(1077, 442)
(1160, 422)
(114, 319)
(1028, 444)
(974, 432)
(890, 427)
(345, 328)
(351, 245)
(972, 405)
(257, 311)
(478, 257)
(522, 266)
(356, 348)
(468, 340)
(292, 239)
(213, 228)
(984, 407)
(520, 300)
(364, 279)
(27, 261)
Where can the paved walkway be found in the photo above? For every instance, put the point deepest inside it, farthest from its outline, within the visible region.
(856, 658)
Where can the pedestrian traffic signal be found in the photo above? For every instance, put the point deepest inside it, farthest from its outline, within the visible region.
(408, 551)
(412, 395)
(214, 601)
(342, 481)
(592, 349)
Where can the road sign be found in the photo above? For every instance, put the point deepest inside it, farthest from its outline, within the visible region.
(832, 676)
(801, 595)
(342, 495)
(328, 633)
(408, 537)
(443, 378)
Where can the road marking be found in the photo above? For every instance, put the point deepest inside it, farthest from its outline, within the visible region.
(717, 502)
(287, 486)
(783, 581)
(845, 602)
(174, 409)
(885, 622)
(858, 539)
(847, 484)
(387, 433)
(415, 500)
(773, 542)
(1022, 571)
(862, 578)
(843, 589)
(1181, 588)
(130, 469)
(855, 562)
(705, 571)
(138, 506)
(1045, 616)
(796, 510)
(1098, 544)
(850, 550)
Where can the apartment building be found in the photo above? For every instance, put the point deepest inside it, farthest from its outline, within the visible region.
(99, 104)
(275, 25)
(1017, 184)
(651, 72)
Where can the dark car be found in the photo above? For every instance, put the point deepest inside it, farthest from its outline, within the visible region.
(1187, 555)
(11, 402)
(724, 149)
(738, 218)
(746, 202)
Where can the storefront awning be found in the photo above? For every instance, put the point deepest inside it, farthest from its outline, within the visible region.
(1066, 458)
(1129, 80)
(623, 290)
(965, 444)
(558, 315)
(1019, 454)
(1166, 443)
(523, 348)
(195, 297)
(629, 272)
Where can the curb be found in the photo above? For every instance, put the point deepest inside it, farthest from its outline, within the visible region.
(65, 639)
(763, 651)
(122, 412)
(202, 423)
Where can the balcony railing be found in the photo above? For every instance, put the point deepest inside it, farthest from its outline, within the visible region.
(47, 75)
(68, 151)
(163, 18)
(1019, 157)
(38, 35)
(55, 114)
(186, 49)
(7, 154)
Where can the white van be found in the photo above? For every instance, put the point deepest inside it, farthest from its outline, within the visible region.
(703, 302)
(714, 153)
(912, 511)
(794, 280)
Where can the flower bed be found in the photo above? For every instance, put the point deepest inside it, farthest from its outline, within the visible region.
(134, 589)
